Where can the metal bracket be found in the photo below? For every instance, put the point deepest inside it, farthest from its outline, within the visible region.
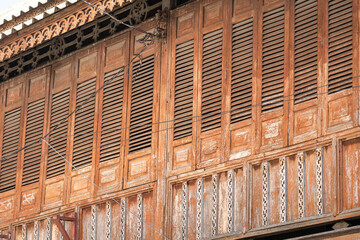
(5, 236)
(73, 218)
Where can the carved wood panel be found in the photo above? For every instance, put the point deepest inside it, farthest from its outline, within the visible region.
(292, 187)
(209, 206)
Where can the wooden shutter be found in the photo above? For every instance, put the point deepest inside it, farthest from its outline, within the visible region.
(141, 105)
(241, 70)
(340, 45)
(211, 80)
(112, 116)
(306, 59)
(10, 144)
(183, 106)
(58, 138)
(34, 129)
(84, 124)
(273, 59)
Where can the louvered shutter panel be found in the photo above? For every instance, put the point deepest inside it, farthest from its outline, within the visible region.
(34, 129)
(340, 45)
(112, 116)
(273, 59)
(58, 137)
(211, 80)
(305, 88)
(241, 70)
(141, 105)
(10, 144)
(183, 106)
(84, 124)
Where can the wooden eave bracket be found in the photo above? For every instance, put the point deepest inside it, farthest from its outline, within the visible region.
(73, 218)
(5, 236)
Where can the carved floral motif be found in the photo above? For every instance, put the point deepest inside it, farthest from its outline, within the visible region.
(66, 24)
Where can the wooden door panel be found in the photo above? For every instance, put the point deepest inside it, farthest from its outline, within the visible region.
(183, 89)
(13, 94)
(305, 124)
(30, 202)
(137, 170)
(80, 187)
(108, 178)
(350, 174)
(340, 112)
(54, 192)
(7, 204)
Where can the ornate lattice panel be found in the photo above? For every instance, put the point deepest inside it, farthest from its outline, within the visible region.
(87, 34)
(209, 206)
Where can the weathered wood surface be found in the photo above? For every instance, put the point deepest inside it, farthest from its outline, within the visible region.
(228, 152)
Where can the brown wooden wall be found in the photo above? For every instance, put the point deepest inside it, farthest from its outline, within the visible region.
(243, 121)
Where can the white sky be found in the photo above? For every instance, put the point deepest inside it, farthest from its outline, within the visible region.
(13, 7)
(4, 4)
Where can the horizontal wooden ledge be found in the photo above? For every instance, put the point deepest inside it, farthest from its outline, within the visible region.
(294, 225)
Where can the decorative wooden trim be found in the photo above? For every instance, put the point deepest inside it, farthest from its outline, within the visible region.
(108, 220)
(48, 228)
(319, 182)
(24, 232)
(139, 228)
(36, 230)
(265, 193)
(230, 200)
(301, 184)
(93, 222)
(29, 15)
(184, 210)
(283, 190)
(214, 204)
(66, 24)
(123, 219)
(199, 207)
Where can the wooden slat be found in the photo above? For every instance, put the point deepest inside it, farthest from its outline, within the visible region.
(183, 110)
(112, 116)
(340, 45)
(141, 105)
(58, 139)
(211, 80)
(241, 70)
(34, 129)
(84, 124)
(305, 84)
(10, 144)
(273, 59)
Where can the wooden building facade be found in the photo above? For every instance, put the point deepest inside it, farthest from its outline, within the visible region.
(235, 119)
